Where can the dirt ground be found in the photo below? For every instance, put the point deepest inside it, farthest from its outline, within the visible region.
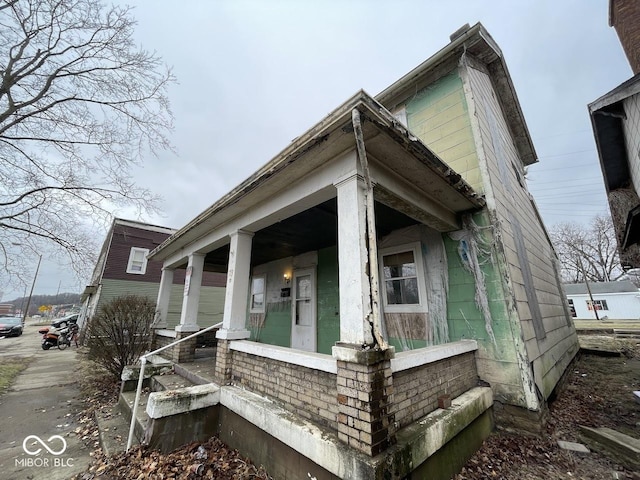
(597, 393)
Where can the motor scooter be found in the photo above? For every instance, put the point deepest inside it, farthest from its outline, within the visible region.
(59, 335)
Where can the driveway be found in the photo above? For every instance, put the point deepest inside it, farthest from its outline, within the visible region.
(37, 439)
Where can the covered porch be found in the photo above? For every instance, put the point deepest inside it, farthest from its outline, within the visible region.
(335, 304)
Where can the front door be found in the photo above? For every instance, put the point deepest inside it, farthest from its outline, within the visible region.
(303, 310)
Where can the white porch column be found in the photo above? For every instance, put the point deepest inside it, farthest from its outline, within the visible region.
(164, 296)
(191, 299)
(355, 291)
(235, 301)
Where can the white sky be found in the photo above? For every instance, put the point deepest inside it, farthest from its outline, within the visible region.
(253, 75)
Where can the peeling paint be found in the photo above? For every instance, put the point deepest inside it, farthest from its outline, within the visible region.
(474, 251)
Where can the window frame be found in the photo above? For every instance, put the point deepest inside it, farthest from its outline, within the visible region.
(421, 306)
(132, 253)
(599, 305)
(262, 309)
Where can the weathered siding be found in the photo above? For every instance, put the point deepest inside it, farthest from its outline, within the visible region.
(632, 137)
(438, 115)
(547, 332)
(496, 357)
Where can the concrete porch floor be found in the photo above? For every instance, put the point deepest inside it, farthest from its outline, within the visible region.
(201, 371)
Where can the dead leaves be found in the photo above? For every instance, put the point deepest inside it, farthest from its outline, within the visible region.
(597, 393)
(209, 460)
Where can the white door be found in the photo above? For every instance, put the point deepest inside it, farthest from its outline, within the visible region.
(303, 310)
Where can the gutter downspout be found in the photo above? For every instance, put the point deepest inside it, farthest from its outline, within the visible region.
(372, 247)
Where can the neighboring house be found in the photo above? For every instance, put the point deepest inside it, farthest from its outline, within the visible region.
(390, 256)
(123, 269)
(611, 300)
(615, 118)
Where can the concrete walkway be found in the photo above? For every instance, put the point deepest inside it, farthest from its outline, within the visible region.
(39, 413)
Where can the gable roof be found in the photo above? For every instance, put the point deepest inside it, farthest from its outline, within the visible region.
(600, 287)
(476, 42)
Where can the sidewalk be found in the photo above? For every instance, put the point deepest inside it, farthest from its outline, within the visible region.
(38, 413)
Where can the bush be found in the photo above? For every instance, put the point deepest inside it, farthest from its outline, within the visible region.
(120, 333)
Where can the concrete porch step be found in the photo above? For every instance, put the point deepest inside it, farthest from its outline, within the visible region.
(125, 406)
(114, 430)
(170, 381)
(200, 372)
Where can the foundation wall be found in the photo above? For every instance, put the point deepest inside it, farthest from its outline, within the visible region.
(416, 390)
(307, 392)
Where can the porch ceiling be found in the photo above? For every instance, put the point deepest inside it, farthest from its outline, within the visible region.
(313, 229)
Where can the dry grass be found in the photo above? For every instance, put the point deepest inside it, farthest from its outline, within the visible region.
(10, 367)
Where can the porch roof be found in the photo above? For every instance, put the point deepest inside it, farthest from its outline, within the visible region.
(387, 142)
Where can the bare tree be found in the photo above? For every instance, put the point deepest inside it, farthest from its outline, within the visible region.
(587, 250)
(80, 105)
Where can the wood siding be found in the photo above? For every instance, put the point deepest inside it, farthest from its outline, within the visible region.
(555, 344)
(124, 238)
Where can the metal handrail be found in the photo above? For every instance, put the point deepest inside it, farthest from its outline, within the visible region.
(143, 363)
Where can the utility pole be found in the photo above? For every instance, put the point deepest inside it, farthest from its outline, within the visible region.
(24, 315)
(584, 276)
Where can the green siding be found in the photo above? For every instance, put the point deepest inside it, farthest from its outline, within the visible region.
(439, 115)
(209, 311)
(210, 307)
(111, 289)
(276, 329)
(465, 318)
(328, 299)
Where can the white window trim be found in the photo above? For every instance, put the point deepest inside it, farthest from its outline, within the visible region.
(132, 253)
(420, 273)
(264, 294)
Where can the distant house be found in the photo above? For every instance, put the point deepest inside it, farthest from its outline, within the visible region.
(123, 268)
(613, 300)
(615, 118)
(389, 256)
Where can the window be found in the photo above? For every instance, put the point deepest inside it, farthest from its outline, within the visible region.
(402, 279)
(137, 261)
(598, 304)
(258, 289)
(572, 308)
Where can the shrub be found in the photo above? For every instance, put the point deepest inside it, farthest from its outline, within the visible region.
(120, 332)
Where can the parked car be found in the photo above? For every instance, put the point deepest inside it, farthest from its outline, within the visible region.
(65, 321)
(10, 326)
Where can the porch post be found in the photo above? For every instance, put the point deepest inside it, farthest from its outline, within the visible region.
(355, 291)
(366, 412)
(235, 302)
(191, 298)
(164, 296)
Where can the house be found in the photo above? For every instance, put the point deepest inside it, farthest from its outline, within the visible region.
(387, 260)
(123, 269)
(611, 300)
(615, 118)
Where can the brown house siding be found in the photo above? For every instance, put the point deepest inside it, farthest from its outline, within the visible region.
(124, 238)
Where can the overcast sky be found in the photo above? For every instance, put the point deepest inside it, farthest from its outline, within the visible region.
(253, 75)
